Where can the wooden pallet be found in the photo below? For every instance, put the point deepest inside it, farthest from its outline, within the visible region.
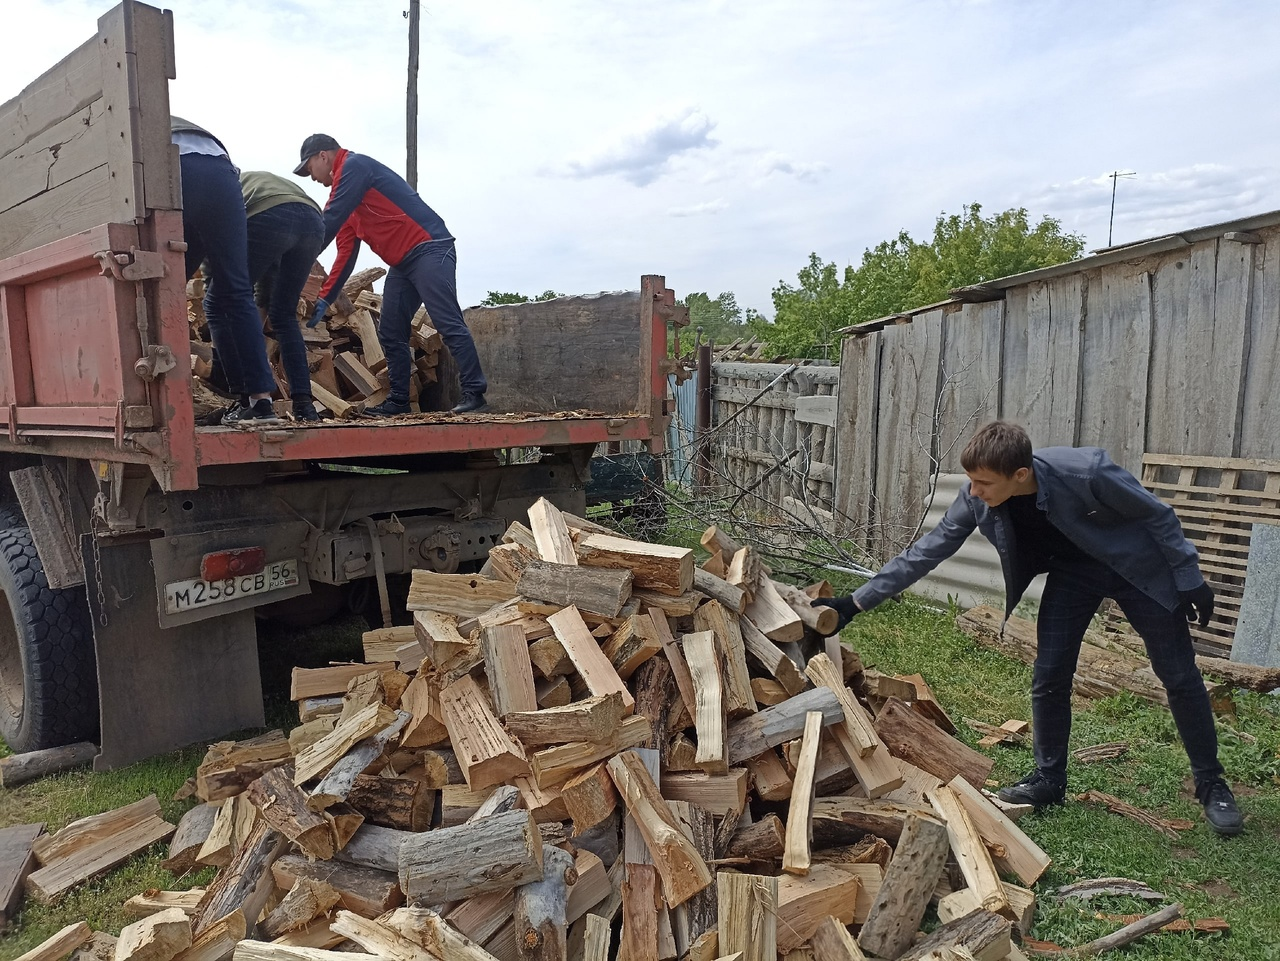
(1217, 500)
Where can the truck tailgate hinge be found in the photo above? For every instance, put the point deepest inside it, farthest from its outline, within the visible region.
(131, 267)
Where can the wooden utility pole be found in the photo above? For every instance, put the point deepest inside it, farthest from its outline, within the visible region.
(411, 100)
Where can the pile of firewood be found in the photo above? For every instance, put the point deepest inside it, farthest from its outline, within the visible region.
(591, 749)
(348, 367)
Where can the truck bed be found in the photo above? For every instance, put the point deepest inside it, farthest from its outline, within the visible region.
(94, 334)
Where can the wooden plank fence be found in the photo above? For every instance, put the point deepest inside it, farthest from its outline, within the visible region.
(1172, 348)
(776, 443)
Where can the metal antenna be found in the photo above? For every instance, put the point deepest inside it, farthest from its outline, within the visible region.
(1116, 175)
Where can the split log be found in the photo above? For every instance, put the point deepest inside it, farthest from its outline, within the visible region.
(23, 768)
(1021, 855)
(93, 855)
(832, 941)
(492, 854)
(909, 736)
(672, 605)
(597, 590)
(668, 570)
(745, 569)
(364, 891)
(736, 679)
(762, 841)
(464, 595)
(397, 644)
(821, 620)
(402, 803)
(87, 831)
(331, 402)
(591, 719)
(709, 705)
(595, 944)
(157, 937)
(507, 666)
(374, 847)
(772, 658)
(748, 915)
(217, 941)
(336, 785)
(975, 860)
(540, 907)
(326, 752)
(233, 823)
(697, 915)
(428, 930)
(984, 934)
(718, 793)
(263, 951)
(553, 693)
(285, 809)
(239, 879)
(756, 733)
(356, 375)
(1022, 905)
(767, 692)
(60, 944)
(422, 700)
(486, 753)
(681, 868)
(592, 665)
(844, 820)
(307, 682)
(795, 858)
(717, 588)
(908, 884)
(772, 615)
(589, 797)
(439, 636)
(481, 917)
(805, 902)
(551, 534)
(640, 912)
(306, 900)
(631, 645)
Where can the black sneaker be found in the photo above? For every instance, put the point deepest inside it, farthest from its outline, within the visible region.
(1035, 789)
(257, 414)
(1220, 807)
(214, 417)
(305, 410)
(471, 403)
(388, 408)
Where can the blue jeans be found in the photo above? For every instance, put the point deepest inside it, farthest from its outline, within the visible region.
(284, 242)
(1071, 598)
(426, 277)
(213, 224)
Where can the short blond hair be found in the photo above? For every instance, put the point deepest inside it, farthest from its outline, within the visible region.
(1001, 446)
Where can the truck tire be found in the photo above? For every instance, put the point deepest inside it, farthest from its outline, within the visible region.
(48, 673)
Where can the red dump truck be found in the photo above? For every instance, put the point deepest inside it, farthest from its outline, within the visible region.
(135, 546)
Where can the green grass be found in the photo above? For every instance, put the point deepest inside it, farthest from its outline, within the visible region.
(1237, 879)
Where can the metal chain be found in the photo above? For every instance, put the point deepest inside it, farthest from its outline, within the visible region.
(99, 505)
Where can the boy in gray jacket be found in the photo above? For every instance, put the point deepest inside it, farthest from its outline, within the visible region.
(1073, 514)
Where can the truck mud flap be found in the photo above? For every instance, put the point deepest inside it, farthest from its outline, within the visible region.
(163, 688)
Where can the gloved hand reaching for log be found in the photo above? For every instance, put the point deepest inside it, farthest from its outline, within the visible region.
(322, 307)
(844, 606)
(1197, 604)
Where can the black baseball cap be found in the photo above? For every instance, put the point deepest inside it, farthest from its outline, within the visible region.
(312, 146)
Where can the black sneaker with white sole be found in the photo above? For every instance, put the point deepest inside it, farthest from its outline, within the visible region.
(257, 414)
(1036, 789)
(1220, 808)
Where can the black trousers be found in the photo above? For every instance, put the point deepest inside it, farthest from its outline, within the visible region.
(1071, 597)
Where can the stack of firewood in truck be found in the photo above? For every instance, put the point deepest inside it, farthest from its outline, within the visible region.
(347, 365)
(592, 749)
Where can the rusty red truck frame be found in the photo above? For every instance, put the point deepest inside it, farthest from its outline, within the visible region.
(122, 519)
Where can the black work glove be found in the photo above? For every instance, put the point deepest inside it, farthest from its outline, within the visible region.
(844, 606)
(1197, 604)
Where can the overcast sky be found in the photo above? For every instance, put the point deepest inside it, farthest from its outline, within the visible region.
(576, 144)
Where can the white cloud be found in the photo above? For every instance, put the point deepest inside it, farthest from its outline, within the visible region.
(699, 210)
(776, 163)
(642, 155)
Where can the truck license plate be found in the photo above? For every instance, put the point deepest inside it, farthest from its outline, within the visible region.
(182, 596)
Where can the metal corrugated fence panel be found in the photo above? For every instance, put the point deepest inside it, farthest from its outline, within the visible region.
(972, 575)
(680, 431)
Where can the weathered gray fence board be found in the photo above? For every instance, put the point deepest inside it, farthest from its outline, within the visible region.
(58, 93)
(1117, 352)
(1259, 436)
(856, 426)
(970, 371)
(1044, 393)
(908, 393)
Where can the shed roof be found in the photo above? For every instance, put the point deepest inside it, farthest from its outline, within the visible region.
(994, 289)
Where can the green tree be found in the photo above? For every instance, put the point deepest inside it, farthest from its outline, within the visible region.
(903, 273)
(720, 318)
(496, 298)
